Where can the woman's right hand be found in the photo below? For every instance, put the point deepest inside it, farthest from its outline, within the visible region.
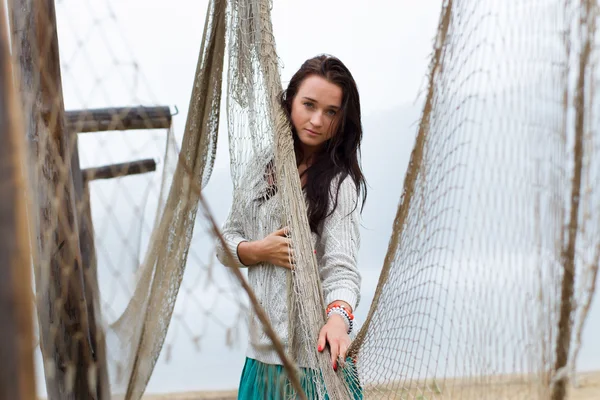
(273, 249)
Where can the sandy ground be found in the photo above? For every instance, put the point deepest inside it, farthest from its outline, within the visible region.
(502, 388)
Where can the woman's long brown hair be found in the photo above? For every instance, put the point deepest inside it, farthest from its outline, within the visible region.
(340, 155)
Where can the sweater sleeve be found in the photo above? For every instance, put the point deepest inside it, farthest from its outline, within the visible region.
(233, 234)
(338, 247)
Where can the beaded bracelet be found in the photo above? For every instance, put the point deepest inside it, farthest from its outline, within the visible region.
(341, 310)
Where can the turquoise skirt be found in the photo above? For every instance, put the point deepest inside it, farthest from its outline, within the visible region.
(262, 381)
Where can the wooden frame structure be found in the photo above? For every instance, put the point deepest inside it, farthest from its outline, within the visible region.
(67, 293)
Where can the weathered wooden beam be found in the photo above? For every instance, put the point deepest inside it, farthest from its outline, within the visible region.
(71, 337)
(17, 375)
(118, 170)
(97, 336)
(117, 119)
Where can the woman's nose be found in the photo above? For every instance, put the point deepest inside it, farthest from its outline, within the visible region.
(317, 119)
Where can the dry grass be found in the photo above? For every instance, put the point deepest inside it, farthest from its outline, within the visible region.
(508, 387)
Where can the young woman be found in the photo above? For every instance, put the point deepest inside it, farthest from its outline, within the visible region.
(323, 106)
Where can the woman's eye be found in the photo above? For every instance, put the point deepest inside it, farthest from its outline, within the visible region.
(331, 113)
(308, 104)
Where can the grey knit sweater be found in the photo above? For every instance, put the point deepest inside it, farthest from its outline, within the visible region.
(255, 215)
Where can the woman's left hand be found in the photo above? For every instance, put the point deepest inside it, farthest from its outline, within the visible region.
(335, 332)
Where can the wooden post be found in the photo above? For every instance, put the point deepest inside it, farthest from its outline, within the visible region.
(17, 375)
(92, 292)
(119, 170)
(71, 340)
(117, 119)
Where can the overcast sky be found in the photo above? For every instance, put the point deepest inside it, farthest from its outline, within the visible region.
(145, 51)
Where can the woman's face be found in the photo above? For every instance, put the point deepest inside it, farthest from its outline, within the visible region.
(314, 111)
